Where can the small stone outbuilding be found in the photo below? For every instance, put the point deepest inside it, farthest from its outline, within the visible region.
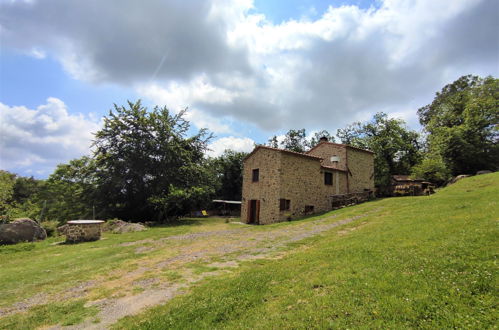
(280, 185)
(404, 185)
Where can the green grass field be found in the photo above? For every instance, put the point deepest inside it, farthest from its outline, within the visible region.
(409, 262)
(427, 262)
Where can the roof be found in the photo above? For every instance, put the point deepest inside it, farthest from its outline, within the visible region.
(333, 168)
(226, 202)
(399, 177)
(341, 145)
(283, 151)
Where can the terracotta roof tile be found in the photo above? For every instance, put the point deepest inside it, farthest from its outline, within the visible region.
(340, 145)
(282, 150)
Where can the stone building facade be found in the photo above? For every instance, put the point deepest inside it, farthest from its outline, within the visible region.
(280, 185)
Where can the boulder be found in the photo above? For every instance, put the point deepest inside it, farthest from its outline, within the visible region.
(457, 178)
(120, 226)
(21, 230)
(483, 172)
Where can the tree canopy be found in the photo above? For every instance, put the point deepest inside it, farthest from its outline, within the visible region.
(396, 148)
(146, 164)
(147, 169)
(298, 141)
(228, 169)
(462, 124)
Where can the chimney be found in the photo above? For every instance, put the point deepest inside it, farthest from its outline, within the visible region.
(323, 139)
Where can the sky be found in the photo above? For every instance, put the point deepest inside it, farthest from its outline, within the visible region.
(246, 70)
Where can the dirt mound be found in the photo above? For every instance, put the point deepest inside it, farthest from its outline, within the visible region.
(120, 226)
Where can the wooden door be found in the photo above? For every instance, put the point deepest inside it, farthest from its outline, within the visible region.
(253, 211)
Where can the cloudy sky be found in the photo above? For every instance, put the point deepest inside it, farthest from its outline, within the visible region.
(245, 69)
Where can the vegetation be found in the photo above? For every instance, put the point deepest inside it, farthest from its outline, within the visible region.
(427, 262)
(228, 169)
(146, 168)
(462, 124)
(396, 148)
(407, 262)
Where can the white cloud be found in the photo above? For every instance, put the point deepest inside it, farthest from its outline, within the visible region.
(230, 143)
(226, 63)
(43, 137)
(347, 64)
(177, 97)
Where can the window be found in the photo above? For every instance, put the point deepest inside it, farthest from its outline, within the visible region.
(284, 204)
(309, 209)
(328, 178)
(256, 175)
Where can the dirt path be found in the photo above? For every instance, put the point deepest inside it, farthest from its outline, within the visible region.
(189, 259)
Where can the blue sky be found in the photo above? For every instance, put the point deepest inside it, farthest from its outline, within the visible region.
(246, 70)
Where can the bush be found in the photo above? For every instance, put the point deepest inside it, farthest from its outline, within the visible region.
(50, 227)
(433, 169)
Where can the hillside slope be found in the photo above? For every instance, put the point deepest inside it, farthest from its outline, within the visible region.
(416, 262)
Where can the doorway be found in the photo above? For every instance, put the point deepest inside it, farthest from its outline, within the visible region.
(254, 211)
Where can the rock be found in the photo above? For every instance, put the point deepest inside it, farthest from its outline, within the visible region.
(483, 172)
(457, 178)
(21, 230)
(62, 230)
(120, 226)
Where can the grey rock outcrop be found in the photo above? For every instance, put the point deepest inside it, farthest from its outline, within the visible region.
(21, 230)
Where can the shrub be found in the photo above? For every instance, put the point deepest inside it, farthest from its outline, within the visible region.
(50, 227)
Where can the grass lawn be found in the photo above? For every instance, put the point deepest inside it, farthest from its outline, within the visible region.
(426, 262)
(34, 270)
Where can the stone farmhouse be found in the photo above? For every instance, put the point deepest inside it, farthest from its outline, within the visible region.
(280, 185)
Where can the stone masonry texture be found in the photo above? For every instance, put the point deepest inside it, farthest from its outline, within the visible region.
(299, 178)
(83, 232)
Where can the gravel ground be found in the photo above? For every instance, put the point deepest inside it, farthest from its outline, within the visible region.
(222, 250)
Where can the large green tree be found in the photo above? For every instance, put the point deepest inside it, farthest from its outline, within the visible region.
(18, 196)
(228, 169)
(70, 192)
(147, 167)
(462, 124)
(297, 140)
(396, 148)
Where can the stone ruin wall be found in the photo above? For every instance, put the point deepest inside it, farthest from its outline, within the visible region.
(83, 232)
(361, 165)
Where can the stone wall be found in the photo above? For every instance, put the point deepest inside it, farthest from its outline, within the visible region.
(361, 166)
(302, 182)
(299, 179)
(83, 232)
(326, 149)
(266, 190)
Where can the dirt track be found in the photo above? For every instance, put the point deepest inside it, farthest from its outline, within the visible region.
(190, 258)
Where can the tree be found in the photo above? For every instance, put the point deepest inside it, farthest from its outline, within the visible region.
(70, 192)
(147, 169)
(462, 125)
(314, 140)
(7, 181)
(396, 148)
(273, 142)
(431, 168)
(229, 172)
(296, 140)
(17, 196)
